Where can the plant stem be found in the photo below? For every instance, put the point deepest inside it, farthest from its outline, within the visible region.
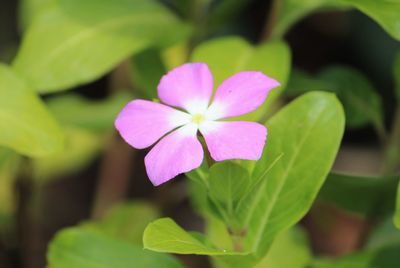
(271, 20)
(392, 150)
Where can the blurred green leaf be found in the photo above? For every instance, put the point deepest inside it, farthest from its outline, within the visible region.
(290, 249)
(25, 123)
(396, 74)
(291, 11)
(9, 163)
(85, 248)
(375, 196)
(164, 235)
(77, 111)
(229, 55)
(397, 212)
(81, 148)
(360, 101)
(224, 11)
(147, 68)
(384, 12)
(30, 10)
(82, 40)
(301, 82)
(126, 221)
(382, 235)
(384, 257)
(307, 133)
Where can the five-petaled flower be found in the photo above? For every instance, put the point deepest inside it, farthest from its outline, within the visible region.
(190, 87)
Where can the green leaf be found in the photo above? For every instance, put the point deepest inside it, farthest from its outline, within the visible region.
(360, 101)
(228, 183)
(384, 257)
(384, 12)
(81, 148)
(382, 235)
(291, 11)
(301, 82)
(79, 41)
(397, 213)
(76, 111)
(375, 195)
(164, 235)
(30, 10)
(126, 221)
(229, 55)
(396, 75)
(293, 241)
(83, 248)
(147, 68)
(25, 123)
(307, 133)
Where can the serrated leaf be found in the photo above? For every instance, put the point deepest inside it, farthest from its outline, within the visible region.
(26, 124)
(307, 133)
(79, 41)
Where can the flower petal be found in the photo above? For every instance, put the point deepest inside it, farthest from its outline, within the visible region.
(241, 93)
(141, 123)
(188, 86)
(234, 140)
(177, 153)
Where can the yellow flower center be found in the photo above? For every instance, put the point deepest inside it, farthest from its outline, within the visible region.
(198, 118)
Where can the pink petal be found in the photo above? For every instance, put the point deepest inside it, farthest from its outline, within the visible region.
(234, 140)
(141, 123)
(188, 86)
(177, 153)
(241, 93)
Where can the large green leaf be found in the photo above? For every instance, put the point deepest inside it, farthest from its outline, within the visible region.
(85, 248)
(397, 213)
(25, 123)
(229, 55)
(375, 195)
(384, 12)
(82, 40)
(76, 111)
(164, 235)
(306, 134)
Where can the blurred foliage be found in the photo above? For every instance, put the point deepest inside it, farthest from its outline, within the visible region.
(111, 242)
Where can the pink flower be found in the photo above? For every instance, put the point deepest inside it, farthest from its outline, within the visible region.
(189, 87)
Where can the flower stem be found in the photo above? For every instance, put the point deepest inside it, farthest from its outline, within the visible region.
(271, 20)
